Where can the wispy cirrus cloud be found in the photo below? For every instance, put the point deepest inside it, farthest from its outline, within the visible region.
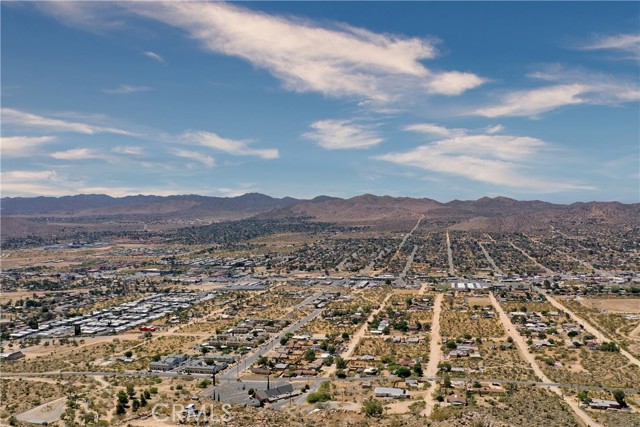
(206, 160)
(494, 129)
(227, 145)
(156, 57)
(342, 135)
(568, 87)
(81, 153)
(30, 182)
(22, 146)
(235, 192)
(126, 89)
(71, 122)
(336, 60)
(433, 129)
(54, 183)
(30, 121)
(535, 101)
(628, 45)
(502, 160)
(129, 150)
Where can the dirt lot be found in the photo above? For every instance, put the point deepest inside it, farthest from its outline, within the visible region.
(613, 305)
(478, 301)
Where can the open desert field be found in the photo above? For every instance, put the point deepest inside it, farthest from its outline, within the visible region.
(613, 305)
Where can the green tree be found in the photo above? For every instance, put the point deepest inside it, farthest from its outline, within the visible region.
(447, 381)
(310, 355)
(123, 397)
(128, 353)
(584, 396)
(619, 396)
(340, 362)
(372, 408)
(417, 369)
(120, 408)
(403, 372)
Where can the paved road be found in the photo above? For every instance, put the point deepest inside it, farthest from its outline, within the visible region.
(524, 350)
(532, 259)
(407, 266)
(488, 257)
(263, 380)
(452, 271)
(233, 372)
(584, 263)
(400, 280)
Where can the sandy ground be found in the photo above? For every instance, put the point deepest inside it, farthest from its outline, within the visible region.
(41, 350)
(478, 301)
(613, 305)
(434, 353)
(524, 351)
(48, 413)
(399, 407)
(6, 296)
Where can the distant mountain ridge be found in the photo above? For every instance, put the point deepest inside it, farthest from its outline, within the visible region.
(486, 214)
(100, 204)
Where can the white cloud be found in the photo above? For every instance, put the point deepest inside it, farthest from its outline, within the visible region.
(230, 146)
(22, 146)
(95, 17)
(29, 120)
(154, 56)
(342, 135)
(569, 87)
(234, 192)
(52, 183)
(432, 129)
(126, 89)
(454, 83)
(78, 154)
(31, 183)
(628, 44)
(535, 101)
(494, 129)
(495, 159)
(338, 61)
(195, 156)
(129, 150)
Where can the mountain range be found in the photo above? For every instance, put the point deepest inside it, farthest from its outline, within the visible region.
(485, 214)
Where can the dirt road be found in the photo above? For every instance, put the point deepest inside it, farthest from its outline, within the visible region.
(524, 350)
(434, 354)
(587, 327)
(363, 329)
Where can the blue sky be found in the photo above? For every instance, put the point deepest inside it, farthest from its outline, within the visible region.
(440, 100)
